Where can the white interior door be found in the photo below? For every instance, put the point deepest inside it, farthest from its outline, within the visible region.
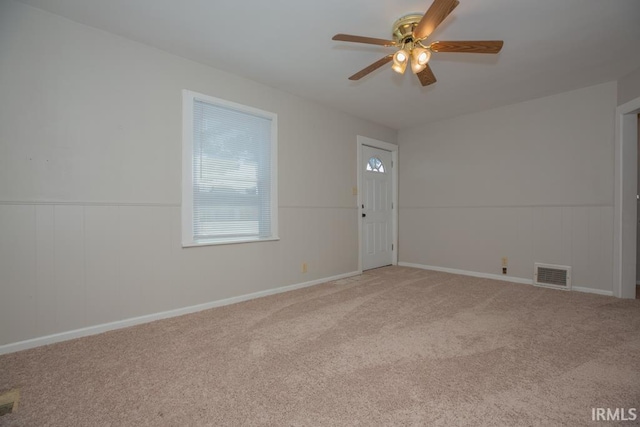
(376, 191)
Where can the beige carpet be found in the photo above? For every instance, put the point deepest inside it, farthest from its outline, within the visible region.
(395, 346)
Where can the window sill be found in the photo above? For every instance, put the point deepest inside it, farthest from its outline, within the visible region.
(227, 242)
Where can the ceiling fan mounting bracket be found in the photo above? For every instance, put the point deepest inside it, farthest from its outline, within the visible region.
(404, 26)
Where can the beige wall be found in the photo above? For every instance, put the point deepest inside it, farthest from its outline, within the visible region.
(531, 181)
(629, 87)
(90, 146)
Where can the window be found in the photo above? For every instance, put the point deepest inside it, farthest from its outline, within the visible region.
(375, 165)
(229, 191)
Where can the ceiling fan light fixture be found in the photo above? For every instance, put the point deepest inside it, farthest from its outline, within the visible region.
(419, 59)
(400, 60)
(416, 68)
(421, 55)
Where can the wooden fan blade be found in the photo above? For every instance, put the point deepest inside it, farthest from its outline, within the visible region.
(476, 46)
(360, 39)
(455, 4)
(426, 76)
(438, 11)
(379, 63)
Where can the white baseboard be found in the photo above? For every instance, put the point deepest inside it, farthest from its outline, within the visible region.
(468, 273)
(510, 279)
(97, 329)
(592, 291)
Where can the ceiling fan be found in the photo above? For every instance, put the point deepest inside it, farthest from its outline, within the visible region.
(409, 34)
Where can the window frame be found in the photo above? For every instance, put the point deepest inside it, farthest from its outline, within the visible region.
(188, 100)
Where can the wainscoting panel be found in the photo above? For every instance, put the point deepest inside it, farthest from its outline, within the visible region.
(71, 266)
(102, 263)
(17, 249)
(476, 238)
(45, 287)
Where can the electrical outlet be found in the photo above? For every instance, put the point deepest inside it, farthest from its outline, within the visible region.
(304, 267)
(505, 261)
(504, 270)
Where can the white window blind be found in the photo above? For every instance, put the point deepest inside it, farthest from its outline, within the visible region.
(231, 173)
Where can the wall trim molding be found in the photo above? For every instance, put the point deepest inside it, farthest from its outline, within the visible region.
(469, 273)
(79, 203)
(144, 204)
(119, 324)
(510, 279)
(625, 215)
(592, 291)
(548, 205)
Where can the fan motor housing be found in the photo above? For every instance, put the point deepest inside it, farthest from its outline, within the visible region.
(403, 27)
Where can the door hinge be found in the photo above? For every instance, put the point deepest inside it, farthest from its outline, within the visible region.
(391, 163)
(392, 246)
(391, 205)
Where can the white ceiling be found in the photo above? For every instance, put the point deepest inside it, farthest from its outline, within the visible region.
(550, 46)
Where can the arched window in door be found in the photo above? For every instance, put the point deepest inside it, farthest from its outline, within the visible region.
(375, 165)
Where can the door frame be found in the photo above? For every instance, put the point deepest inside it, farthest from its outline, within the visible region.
(393, 148)
(625, 204)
